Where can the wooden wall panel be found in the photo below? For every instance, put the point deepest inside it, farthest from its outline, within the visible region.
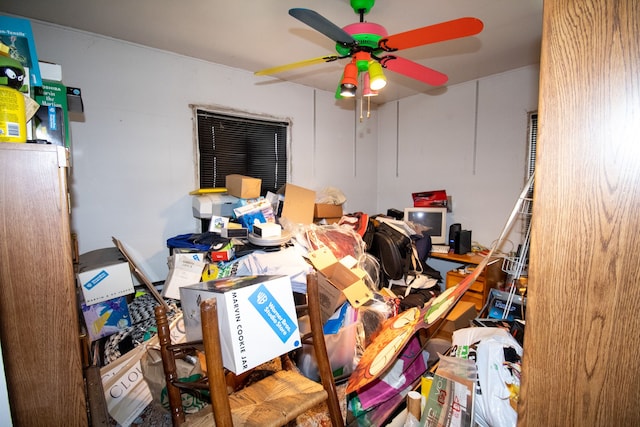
(581, 366)
(38, 309)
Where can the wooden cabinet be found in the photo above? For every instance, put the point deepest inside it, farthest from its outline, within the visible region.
(38, 309)
(580, 359)
(478, 292)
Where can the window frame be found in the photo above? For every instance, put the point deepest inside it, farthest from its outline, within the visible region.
(240, 116)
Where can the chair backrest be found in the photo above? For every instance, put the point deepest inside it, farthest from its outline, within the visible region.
(221, 406)
(320, 350)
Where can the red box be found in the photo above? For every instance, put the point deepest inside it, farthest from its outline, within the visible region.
(224, 255)
(427, 199)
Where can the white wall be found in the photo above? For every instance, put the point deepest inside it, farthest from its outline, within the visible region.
(133, 156)
(441, 143)
(5, 409)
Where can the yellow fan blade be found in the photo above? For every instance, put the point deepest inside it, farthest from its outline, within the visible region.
(281, 68)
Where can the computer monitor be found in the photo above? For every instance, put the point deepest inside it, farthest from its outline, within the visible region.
(434, 218)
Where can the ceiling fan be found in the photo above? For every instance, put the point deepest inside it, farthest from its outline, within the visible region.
(368, 45)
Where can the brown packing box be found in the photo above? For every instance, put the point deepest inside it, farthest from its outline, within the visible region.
(298, 204)
(243, 187)
(459, 317)
(338, 280)
(326, 210)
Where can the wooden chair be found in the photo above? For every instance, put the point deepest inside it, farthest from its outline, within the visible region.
(273, 401)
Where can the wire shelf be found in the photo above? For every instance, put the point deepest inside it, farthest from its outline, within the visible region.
(527, 206)
(513, 266)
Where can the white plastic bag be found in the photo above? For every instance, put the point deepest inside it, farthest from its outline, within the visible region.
(495, 378)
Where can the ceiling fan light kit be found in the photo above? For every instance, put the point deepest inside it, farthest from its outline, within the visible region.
(349, 83)
(366, 89)
(367, 45)
(376, 76)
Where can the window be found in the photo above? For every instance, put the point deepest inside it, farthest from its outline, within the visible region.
(229, 144)
(532, 138)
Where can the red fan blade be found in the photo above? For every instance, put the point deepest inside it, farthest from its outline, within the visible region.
(413, 70)
(462, 27)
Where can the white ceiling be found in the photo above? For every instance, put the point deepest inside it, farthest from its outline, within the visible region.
(257, 34)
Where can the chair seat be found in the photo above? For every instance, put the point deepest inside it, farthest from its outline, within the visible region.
(271, 402)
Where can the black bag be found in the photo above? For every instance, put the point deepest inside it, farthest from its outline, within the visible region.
(399, 256)
(394, 250)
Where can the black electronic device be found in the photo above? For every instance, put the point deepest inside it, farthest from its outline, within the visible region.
(395, 214)
(463, 242)
(454, 229)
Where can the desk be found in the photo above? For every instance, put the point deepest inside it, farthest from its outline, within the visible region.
(472, 259)
(491, 277)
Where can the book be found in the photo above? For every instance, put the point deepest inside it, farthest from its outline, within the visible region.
(16, 34)
(106, 318)
(51, 122)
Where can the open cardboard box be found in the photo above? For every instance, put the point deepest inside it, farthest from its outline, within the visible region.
(298, 204)
(338, 280)
(327, 210)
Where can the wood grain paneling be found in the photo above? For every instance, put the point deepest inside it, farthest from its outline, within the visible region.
(38, 309)
(580, 363)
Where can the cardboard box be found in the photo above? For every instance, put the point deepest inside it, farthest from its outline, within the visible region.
(243, 187)
(104, 274)
(222, 255)
(436, 198)
(338, 280)
(257, 318)
(327, 210)
(106, 318)
(268, 229)
(459, 317)
(298, 204)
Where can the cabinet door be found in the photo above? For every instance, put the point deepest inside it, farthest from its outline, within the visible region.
(38, 310)
(476, 292)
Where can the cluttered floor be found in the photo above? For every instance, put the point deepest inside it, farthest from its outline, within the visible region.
(393, 325)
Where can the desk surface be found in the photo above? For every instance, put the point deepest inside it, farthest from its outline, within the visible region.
(463, 259)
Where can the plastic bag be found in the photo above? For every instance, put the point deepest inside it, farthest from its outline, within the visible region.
(153, 372)
(450, 398)
(497, 377)
(331, 195)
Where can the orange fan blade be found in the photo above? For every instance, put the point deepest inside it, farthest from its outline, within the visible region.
(457, 28)
(414, 70)
(299, 64)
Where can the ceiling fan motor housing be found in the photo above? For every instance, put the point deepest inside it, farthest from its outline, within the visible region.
(367, 34)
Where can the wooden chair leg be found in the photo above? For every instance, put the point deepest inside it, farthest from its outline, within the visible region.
(169, 365)
(215, 370)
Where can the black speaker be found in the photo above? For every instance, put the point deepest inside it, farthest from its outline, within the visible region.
(463, 242)
(454, 229)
